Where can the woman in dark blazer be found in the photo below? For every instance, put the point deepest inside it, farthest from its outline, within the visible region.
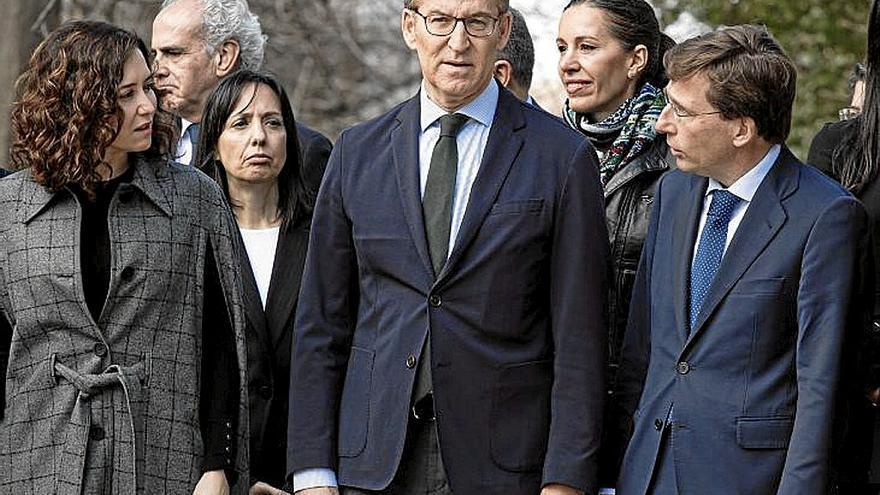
(249, 144)
(849, 151)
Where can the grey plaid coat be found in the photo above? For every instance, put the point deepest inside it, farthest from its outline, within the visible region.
(137, 371)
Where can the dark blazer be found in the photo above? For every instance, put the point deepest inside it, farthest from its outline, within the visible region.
(315, 149)
(754, 382)
(515, 315)
(270, 339)
(270, 331)
(4, 172)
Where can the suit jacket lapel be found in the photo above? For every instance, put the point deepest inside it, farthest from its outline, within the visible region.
(502, 148)
(763, 219)
(286, 277)
(683, 236)
(252, 303)
(405, 145)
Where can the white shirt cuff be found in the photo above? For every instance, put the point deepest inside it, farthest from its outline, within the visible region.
(313, 478)
(607, 491)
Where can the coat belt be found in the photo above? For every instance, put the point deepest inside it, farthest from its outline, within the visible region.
(117, 384)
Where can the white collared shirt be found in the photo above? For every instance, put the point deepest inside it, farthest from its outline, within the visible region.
(744, 188)
(184, 152)
(471, 140)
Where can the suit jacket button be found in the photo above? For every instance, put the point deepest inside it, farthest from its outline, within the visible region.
(683, 368)
(435, 301)
(100, 349)
(658, 425)
(410, 361)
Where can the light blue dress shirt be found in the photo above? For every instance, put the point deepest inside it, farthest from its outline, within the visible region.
(471, 141)
(744, 188)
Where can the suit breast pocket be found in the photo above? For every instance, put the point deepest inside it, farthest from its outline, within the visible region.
(760, 287)
(525, 206)
(354, 409)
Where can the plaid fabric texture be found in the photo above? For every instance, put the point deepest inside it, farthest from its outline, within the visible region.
(111, 407)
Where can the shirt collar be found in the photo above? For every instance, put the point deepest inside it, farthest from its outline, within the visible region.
(746, 186)
(481, 109)
(184, 125)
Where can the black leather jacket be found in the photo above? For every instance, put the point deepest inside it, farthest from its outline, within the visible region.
(629, 196)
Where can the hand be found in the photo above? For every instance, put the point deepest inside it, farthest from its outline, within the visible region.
(261, 488)
(557, 489)
(212, 483)
(321, 490)
(874, 396)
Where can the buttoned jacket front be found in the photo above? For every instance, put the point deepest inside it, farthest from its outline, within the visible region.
(140, 362)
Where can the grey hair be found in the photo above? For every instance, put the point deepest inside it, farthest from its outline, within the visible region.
(519, 51)
(225, 20)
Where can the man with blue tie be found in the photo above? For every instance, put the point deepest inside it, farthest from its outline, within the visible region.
(749, 278)
(449, 336)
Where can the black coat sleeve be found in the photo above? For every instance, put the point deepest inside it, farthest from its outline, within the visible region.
(218, 408)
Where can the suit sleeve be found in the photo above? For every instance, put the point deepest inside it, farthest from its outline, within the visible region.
(578, 274)
(326, 314)
(828, 294)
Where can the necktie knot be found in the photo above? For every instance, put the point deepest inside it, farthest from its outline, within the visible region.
(451, 123)
(723, 204)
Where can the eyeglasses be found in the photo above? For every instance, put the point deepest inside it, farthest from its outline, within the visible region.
(847, 113)
(478, 26)
(681, 113)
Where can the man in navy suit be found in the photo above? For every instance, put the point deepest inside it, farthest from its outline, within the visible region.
(450, 336)
(749, 278)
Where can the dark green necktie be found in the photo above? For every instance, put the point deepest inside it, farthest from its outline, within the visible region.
(440, 189)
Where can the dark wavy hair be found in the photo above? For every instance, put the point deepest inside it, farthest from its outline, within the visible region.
(856, 159)
(295, 199)
(633, 23)
(66, 114)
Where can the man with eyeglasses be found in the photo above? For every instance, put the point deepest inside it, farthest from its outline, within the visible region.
(732, 360)
(450, 333)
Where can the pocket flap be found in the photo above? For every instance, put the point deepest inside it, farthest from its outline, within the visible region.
(521, 206)
(764, 432)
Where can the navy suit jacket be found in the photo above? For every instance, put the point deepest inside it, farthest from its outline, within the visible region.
(517, 333)
(754, 383)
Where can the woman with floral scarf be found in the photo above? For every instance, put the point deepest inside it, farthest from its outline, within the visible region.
(611, 63)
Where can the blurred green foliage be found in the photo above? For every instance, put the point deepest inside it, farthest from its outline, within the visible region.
(824, 38)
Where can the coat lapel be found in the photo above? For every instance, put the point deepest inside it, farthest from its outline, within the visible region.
(405, 145)
(502, 147)
(763, 219)
(287, 271)
(683, 236)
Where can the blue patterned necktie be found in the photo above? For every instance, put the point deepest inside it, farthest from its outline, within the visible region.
(711, 249)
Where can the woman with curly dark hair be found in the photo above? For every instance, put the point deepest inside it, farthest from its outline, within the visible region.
(121, 327)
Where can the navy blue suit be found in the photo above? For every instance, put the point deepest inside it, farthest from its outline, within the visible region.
(754, 383)
(517, 333)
